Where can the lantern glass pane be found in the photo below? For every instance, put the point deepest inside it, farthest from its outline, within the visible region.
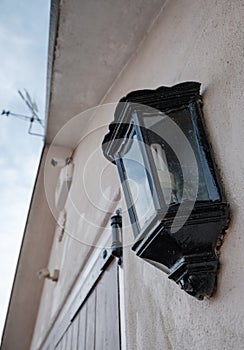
(165, 177)
(138, 181)
(174, 159)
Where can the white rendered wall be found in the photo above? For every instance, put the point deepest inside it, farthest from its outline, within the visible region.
(190, 40)
(88, 214)
(201, 41)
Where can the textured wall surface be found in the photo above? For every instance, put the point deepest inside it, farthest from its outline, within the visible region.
(190, 40)
(93, 197)
(201, 41)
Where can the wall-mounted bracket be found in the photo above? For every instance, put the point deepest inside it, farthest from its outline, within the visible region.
(116, 246)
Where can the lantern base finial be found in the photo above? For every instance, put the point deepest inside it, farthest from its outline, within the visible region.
(196, 274)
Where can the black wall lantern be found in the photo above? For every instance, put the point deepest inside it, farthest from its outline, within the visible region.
(173, 193)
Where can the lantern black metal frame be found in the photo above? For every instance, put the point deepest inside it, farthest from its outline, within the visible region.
(190, 255)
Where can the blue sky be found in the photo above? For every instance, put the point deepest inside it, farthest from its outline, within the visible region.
(24, 29)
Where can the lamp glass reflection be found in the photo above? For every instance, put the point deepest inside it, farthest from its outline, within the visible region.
(138, 181)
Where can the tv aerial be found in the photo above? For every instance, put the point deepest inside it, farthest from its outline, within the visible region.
(33, 118)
